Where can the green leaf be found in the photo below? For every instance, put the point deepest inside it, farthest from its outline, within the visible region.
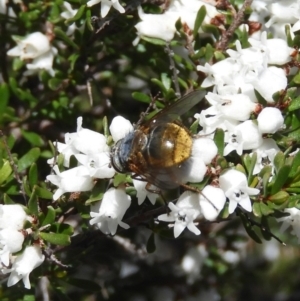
(166, 81)
(33, 175)
(279, 160)
(154, 41)
(265, 229)
(54, 83)
(249, 229)
(295, 104)
(56, 239)
(88, 20)
(279, 198)
(97, 192)
(33, 203)
(7, 200)
(28, 159)
(73, 59)
(33, 138)
(5, 171)
(295, 166)
(219, 141)
(160, 84)
(265, 209)
(142, 97)
(281, 178)
(151, 247)
(256, 209)
(265, 174)
(43, 193)
(50, 217)
(199, 19)
(62, 35)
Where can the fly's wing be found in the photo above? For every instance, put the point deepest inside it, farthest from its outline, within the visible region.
(178, 108)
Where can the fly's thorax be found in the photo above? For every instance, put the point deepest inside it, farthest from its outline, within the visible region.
(126, 148)
(169, 144)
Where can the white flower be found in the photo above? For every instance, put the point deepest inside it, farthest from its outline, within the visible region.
(97, 164)
(69, 13)
(106, 5)
(72, 180)
(270, 120)
(292, 220)
(120, 127)
(24, 264)
(114, 204)
(245, 136)
(142, 192)
(31, 46)
(87, 141)
(265, 155)
(11, 241)
(212, 201)
(184, 213)
(12, 216)
(42, 62)
(160, 26)
(234, 184)
(271, 80)
(205, 149)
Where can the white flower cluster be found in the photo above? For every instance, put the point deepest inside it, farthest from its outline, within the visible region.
(106, 5)
(35, 47)
(20, 265)
(162, 26)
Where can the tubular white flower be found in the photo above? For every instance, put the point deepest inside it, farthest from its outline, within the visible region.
(24, 264)
(142, 192)
(184, 213)
(270, 120)
(12, 216)
(42, 62)
(212, 201)
(87, 141)
(31, 46)
(265, 155)
(106, 5)
(204, 148)
(114, 204)
(271, 80)
(11, 241)
(69, 13)
(72, 180)
(97, 164)
(292, 220)
(120, 127)
(160, 26)
(234, 184)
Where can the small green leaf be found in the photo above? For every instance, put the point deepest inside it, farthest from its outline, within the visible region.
(33, 203)
(279, 198)
(265, 209)
(249, 229)
(279, 160)
(154, 41)
(96, 193)
(50, 217)
(33, 138)
(265, 174)
(54, 83)
(62, 35)
(28, 159)
(5, 171)
(281, 178)
(73, 59)
(219, 141)
(33, 175)
(265, 229)
(160, 84)
(142, 97)
(56, 239)
(151, 247)
(166, 81)
(88, 20)
(295, 104)
(43, 193)
(7, 200)
(256, 209)
(199, 19)
(295, 166)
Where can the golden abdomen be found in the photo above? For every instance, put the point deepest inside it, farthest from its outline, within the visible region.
(169, 144)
